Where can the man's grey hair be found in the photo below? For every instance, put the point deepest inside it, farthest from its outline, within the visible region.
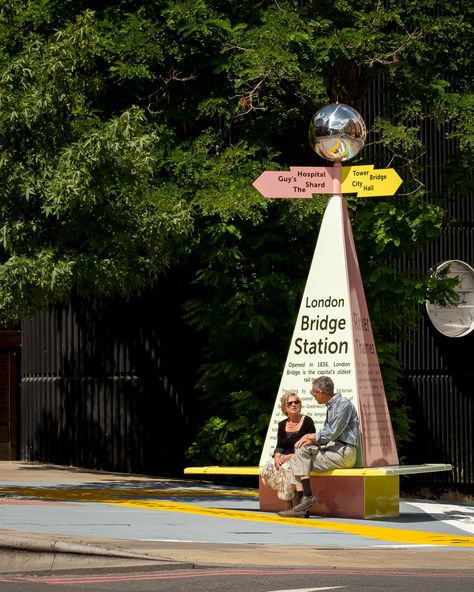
(324, 384)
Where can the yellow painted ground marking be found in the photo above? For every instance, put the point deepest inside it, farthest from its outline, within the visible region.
(375, 532)
(92, 494)
(382, 533)
(189, 492)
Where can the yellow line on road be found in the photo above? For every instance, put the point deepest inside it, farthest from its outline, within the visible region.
(92, 494)
(115, 497)
(396, 535)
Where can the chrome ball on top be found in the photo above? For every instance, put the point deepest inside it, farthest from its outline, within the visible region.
(337, 132)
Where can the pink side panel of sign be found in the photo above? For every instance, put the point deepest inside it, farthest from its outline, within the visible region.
(378, 441)
(298, 182)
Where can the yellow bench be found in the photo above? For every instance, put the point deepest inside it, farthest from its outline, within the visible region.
(361, 492)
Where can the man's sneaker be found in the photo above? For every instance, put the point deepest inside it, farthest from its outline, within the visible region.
(305, 504)
(301, 510)
(293, 514)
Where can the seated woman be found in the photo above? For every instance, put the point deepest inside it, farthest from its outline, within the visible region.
(276, 474)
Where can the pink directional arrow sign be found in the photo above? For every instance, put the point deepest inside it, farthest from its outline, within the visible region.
(301, 182)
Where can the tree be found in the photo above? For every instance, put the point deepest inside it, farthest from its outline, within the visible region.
(285, 67)
(130, 134)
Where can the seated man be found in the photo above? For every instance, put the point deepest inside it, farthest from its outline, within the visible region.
(335, 446)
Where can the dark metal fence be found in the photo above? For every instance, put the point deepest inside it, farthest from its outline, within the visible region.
(439, 369)
(440, 382)
(106, 385)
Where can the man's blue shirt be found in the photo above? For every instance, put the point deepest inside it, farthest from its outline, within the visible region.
(342, 422)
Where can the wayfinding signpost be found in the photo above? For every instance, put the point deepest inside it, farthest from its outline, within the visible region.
(333, 334)
(304, 182)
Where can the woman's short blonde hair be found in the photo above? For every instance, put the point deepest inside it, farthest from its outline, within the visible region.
(284, 400)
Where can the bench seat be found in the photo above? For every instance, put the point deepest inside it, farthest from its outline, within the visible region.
(360, 492)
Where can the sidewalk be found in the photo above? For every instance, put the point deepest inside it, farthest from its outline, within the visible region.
(56, 519)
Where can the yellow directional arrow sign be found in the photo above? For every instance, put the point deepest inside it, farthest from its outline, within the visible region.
(369, 182)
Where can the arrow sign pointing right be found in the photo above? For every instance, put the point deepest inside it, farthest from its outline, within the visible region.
(369, 182)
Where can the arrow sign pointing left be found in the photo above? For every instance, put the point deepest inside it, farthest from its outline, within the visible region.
(300, 182)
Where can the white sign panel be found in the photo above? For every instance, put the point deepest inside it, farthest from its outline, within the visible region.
(333, 337)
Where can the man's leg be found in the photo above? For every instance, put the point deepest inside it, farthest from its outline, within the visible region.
(306, 484)
(300, 465)
(297, 498)
(321, 459)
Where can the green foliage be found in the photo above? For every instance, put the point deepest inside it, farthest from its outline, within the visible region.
(130, 134)
(82, 208)
(233, 441)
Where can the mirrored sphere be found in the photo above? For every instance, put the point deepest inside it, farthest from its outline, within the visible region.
(337, 132)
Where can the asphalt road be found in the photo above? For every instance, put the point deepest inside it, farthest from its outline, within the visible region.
(252, 580)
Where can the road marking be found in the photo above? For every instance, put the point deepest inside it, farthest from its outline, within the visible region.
(228, 572)
(381, 533)
(461, 517)
(394, 534)
(31, 502)
(62, 492)
(309, 589)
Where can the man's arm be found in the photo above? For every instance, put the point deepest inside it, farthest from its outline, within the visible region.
(306, 440)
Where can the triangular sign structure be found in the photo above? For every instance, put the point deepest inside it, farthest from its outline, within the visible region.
(333, 337)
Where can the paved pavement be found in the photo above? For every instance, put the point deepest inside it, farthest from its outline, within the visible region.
(56, 519)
